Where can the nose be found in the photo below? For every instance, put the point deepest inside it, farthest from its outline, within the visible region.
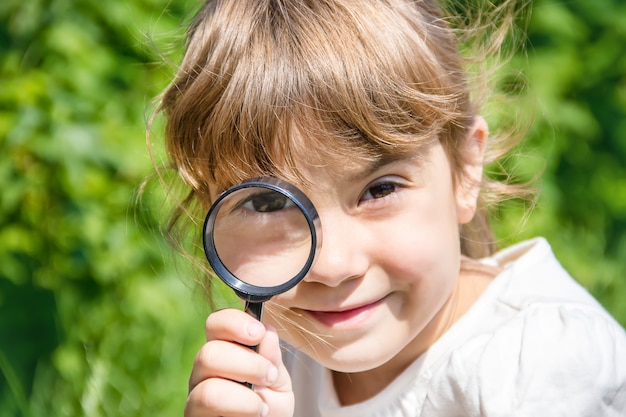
(342, 255)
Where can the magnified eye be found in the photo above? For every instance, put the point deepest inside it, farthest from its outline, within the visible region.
(267, 202)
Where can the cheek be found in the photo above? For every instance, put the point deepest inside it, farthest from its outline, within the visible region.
(425, 236)
(422, 251)
(424, 269)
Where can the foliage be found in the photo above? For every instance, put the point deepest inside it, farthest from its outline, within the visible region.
(94, 318)
(577, 76)
(91, 320)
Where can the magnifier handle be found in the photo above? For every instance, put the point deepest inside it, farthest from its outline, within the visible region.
(256, 311)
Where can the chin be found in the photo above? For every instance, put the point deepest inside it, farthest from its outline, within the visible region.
(348, 360)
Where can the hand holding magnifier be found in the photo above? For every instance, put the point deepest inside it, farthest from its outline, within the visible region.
(260, 238)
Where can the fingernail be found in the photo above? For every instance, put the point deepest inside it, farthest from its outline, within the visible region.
(265, 410)
(272, 374)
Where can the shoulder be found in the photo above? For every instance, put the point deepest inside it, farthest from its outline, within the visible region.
(536, 342)
(569, 360)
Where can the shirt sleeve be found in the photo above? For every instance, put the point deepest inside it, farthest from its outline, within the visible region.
(550, 360)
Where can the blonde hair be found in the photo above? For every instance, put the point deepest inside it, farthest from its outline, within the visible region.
(361, 79)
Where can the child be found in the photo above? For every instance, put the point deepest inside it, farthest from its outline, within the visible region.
(407, 311)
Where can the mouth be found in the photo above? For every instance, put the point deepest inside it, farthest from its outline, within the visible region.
(344, 318)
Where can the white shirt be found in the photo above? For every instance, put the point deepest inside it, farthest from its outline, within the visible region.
(534, 344)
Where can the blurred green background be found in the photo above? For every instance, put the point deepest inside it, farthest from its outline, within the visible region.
(96, 316)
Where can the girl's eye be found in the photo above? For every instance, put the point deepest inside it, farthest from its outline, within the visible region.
(379, 190)
(267, 202)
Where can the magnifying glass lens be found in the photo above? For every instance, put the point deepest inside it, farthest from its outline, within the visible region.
(261, 236)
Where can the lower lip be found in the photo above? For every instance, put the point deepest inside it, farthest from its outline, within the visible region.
(345, 318)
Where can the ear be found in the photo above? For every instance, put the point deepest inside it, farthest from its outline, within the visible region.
(470, 177)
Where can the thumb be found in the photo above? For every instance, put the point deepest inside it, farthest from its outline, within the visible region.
(270, 349)
(278, 395)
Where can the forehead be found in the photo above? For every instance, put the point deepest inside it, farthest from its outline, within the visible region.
(315, 156)
(329, 164)
(308, 168)
(301, 153)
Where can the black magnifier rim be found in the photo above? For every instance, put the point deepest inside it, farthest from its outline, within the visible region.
(249, 292)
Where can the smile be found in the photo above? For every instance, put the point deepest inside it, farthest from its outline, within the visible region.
(345, 318)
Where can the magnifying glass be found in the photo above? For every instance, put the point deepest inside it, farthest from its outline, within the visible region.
(260, 238)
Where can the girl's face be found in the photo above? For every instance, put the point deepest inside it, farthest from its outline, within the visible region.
(389, 262)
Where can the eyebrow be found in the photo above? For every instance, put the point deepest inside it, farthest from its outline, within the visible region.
(374, 166)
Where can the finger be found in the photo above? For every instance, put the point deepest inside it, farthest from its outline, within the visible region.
(222, 359)
(234, 325)
(278, 395)
(270, 349)
(221, 397)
